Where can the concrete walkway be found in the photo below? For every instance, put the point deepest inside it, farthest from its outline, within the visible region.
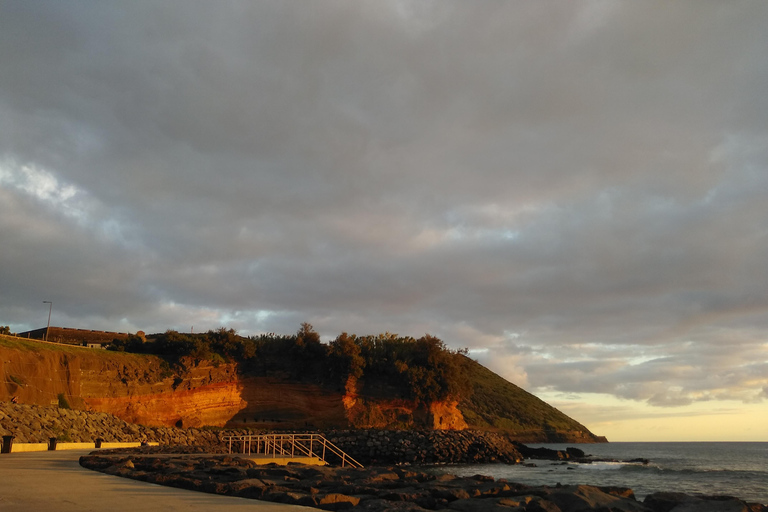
(54, 481)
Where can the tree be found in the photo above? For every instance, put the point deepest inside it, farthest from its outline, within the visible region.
(307, 335)
(344, 358)
(132, 343)
(309, 353)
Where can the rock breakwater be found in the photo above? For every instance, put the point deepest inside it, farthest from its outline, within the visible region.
(37, 424)
(425, 447)
(390, 488)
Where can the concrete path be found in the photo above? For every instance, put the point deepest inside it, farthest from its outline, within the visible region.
(55, 482)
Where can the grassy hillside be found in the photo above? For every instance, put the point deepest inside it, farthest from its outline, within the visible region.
(29, 345)
(498, 404)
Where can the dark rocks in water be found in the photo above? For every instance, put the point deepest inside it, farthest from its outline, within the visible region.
(679, 502)
(379, 489)
(586, 497)
(571, 454)
(540, 453)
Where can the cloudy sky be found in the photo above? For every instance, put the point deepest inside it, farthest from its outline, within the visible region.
(575, 191)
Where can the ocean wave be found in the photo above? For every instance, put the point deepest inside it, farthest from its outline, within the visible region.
(657, 469)
(605, 465)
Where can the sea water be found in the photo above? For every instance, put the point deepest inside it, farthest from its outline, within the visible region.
(724, 469)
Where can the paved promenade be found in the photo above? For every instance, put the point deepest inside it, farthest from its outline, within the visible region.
(55, 482)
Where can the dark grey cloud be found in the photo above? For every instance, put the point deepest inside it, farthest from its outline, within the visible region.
(576, 192)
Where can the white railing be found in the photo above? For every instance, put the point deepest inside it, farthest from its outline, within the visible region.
(290, 446)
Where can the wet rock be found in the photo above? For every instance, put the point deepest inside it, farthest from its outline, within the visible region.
(584, 498)
(388, 488)
(679, 502)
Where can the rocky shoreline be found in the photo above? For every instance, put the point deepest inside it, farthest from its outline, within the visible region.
(196, 459)
(385, 488)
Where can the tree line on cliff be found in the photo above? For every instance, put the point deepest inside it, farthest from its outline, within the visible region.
(421, 369)
(389, 366)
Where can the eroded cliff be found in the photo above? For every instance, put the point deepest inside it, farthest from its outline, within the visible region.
(147, 390)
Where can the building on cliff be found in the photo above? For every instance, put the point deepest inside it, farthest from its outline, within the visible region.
(69, 336)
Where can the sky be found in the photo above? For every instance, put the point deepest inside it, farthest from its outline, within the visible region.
(575, 191)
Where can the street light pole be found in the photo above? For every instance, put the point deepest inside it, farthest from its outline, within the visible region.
(50, 307)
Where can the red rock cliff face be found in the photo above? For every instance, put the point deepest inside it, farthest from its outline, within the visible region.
(139, 389)
(143, 389)
(369, 412)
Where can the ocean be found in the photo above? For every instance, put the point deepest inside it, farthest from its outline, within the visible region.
(732, 469)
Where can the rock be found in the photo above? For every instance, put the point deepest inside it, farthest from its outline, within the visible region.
(518, 501)
(387, 488)
(679, 502)
(586, 497)
(665, 501)
(379, 505)
(450, 494)
(383, 477)
(621, 492)
(486, 505)
(542, 506)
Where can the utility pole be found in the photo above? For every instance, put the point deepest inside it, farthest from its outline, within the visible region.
(50, 307)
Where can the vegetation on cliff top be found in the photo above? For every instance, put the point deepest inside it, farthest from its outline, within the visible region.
(423, 370)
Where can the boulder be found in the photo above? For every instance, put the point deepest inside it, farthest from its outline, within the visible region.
(586, 497)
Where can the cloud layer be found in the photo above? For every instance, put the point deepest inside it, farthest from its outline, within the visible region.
(578, 192)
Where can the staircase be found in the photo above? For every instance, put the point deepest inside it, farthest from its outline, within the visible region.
(291, 446)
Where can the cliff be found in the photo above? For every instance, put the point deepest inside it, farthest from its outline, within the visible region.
(146, 390)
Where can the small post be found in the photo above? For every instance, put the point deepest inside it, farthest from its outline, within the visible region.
(50, 308)
(51, 444)
(7, 444)
(98, 442)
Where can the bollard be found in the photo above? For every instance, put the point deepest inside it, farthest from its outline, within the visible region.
(98, 442)
(7, 444)
(52, 444)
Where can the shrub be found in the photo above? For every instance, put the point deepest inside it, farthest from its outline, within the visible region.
(63, 404)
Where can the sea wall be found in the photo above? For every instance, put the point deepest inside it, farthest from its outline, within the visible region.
(425, 447)
(37, 424)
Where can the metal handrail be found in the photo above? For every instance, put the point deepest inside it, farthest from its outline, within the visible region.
(291, 446)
